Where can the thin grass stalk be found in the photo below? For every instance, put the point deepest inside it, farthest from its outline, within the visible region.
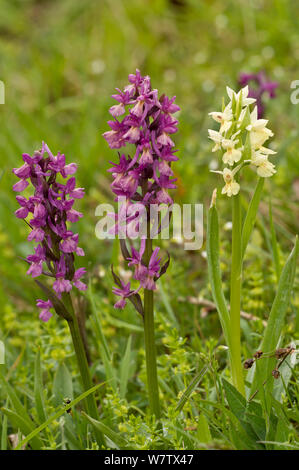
(235, 297)
(90, 402)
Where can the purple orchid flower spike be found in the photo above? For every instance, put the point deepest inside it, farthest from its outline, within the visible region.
(47, 212)
(261, 86)
(142, 181)
(148, 123)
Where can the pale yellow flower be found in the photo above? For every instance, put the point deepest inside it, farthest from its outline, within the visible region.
(224, 118)
(259, 133)
(265, 169)
(231, 187)
(215, 137)
(232, 155)
(241, 95)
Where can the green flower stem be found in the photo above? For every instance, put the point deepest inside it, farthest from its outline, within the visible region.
(149, 336)
(235, 297)
(90, 403)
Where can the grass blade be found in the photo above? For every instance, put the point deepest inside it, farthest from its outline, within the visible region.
(278, 312)
(57, 415)
(167, 304)
(192, 386)
(20, 423)
(119, 441)
(125, 369)
(274, 245)
(4, 433)
(16, 403)
(103, 345)
(236, 401)
(203, 429)
(97, 322)
(62, 385)
(214, 268)
(38, 390)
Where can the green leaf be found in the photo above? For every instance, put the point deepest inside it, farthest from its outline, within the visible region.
(286, 445)
(16, 403)
(97, 322)
(277, 315)
(192, 386)
(115, 252)
(125, 369)
(274, 245)
(62, 385)
(249, 429)
(279, 385)
(249, 422)
(255, 408)
(123, 324)
(257, 423)
(214, 268)
(241, 439)
(246, 120)
(251, 215)
(20, 423)
(203, 430)
(38, 390)
(3, 443)
(115, 437)
(236, 401)
(283, 428)
(102, 345)
(109, 369)
(167, 304)
(234, 103)
(71, 434)
(247, 148)
(57, 415)
(239, 435)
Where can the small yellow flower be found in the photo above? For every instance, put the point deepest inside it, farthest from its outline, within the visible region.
(232, 155)
(241, 95)
(215, 137)
(265, 169)
(231, 187)
(225, 118)
(247, 142)
(259, 133)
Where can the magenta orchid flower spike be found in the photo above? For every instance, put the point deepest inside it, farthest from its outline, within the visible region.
(51, 208)
(259, 86)
(142, 180)
(147, 176)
